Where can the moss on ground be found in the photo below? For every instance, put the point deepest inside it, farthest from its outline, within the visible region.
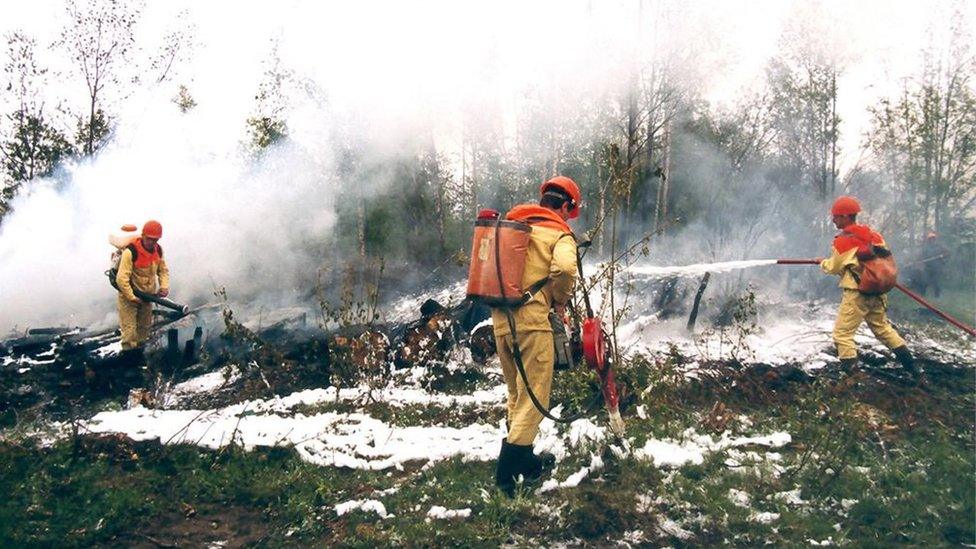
(864, 467)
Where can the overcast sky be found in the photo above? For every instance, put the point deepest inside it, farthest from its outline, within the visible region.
(398, 60)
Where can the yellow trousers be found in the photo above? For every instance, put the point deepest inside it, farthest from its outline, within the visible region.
(537, 358)
(856, 308)
(135, 319)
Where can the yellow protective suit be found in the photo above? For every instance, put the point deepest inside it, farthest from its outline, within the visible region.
(856, 307)
(551, 254)
(135, 315)
(537, 358)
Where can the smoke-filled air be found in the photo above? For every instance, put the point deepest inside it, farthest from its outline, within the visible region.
(575, 273)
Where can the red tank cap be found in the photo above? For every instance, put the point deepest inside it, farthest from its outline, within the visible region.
(488, 213)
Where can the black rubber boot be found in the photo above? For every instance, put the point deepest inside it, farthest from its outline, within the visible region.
(849, 365)
(131, 359)
(904, 356)
(536, 465)
(506, 470)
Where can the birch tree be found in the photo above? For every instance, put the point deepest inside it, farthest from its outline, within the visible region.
(100, 42)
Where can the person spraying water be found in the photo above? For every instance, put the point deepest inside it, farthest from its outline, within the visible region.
(866, 267)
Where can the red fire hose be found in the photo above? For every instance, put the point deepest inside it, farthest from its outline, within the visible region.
(932, 308)
(906, 291)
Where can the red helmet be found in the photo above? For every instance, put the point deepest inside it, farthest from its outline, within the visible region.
(152, 229)
(846, 205)
(567, 186)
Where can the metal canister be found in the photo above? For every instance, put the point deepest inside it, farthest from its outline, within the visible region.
(563, 356)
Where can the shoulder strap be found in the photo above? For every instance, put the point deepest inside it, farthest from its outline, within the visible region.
(536, 287)
(135, 251)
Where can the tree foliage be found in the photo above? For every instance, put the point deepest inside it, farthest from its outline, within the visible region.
(30, 145)
(100, 40)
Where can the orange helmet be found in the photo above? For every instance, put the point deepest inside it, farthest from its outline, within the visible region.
(568, 186)
(152, 229)
(846, 205)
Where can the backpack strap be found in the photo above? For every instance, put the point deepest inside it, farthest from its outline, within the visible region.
(537, 287)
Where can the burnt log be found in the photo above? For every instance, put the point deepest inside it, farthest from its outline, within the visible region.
(693, 317)
(424, 341)
(50, 331)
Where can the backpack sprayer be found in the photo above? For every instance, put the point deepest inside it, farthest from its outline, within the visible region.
(499, 253)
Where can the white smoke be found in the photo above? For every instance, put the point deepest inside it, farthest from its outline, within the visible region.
(394, 74)
(226, 222)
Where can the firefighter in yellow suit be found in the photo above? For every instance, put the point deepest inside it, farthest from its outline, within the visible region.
(140, 267)
(551, 256)
(857, 308)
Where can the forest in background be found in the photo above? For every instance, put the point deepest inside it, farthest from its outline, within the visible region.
(651, 154)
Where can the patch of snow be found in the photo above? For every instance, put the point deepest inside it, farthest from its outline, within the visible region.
(342, 440)
(671, 453)
(790, 497)
(108, 350)
(740, 498)
(775, 440)
(596, 463)
(206, 383)
(407, 309)
(647, 503)
(398, 396)
(671, 528)
(366, 505)
(764, 517)
(583, 431)
(29, 361)
(438, 512)
(633, 536)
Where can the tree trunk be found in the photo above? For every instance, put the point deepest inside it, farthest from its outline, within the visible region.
(632, 139)
(663, 190)
(90, 147)
(472, 177)
(361, 226)
(601, 198)
(833, 134)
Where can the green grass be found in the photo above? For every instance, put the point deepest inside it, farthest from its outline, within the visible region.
(957, 302)
(893, 477)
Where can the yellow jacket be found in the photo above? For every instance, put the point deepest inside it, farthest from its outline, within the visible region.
(843, 254)
(841, 264)
(551, 253)
(141, 273)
